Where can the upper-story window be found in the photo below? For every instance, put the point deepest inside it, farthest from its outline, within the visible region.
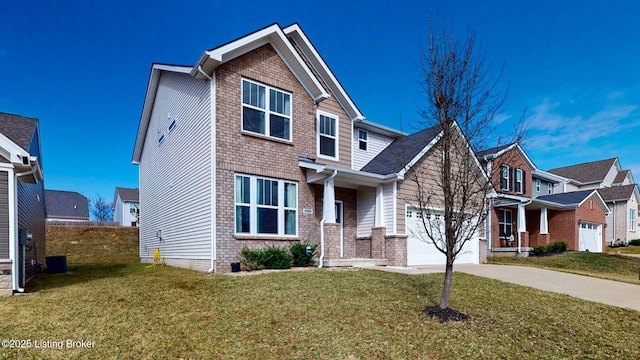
(504, 177)
(363, 139)
(133, 208)
(537, 185)
(266, 110)
(632, 219)
(519, 181)
(550, 188)
(327, 135)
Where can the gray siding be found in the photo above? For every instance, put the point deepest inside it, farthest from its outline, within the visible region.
(366, 210)
(376, 143)
(544, 188)
(31, 216)
(175, 175)
(4, 215)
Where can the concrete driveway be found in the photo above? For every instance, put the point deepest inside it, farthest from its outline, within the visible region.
(584, 287)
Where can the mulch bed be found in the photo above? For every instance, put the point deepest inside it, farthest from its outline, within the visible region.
(445, 315)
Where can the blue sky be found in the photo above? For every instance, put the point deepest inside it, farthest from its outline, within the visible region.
(82, 67)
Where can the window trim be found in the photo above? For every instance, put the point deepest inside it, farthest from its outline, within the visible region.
(632, 220)
(254, 206)
(517, 184)
(505, 223)
(364, 141)
(550, 188)
(336, 137)
(538, 185)
(267, 110)
(504, 170)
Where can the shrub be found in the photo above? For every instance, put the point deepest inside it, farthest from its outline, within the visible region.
(556, 247)
(635, 242)
(269, 258)
(298, 251)
(277, 258)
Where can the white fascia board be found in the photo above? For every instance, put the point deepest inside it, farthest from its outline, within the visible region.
(14, 152)
(381, 129)
(549, 176)
(323, 70)
(360, 177)
(473, 153)
(419, 156)
(149, 100)
(273, 35)
(520, 151)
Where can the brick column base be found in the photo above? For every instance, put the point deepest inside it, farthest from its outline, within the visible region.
(524, 239)
(396, 250)
(378, 250)
(483, 250)
(331, 241)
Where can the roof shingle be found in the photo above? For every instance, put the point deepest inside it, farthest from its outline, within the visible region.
(18, 129)
(128, 195)
(586, 172)
(570, 198)
(617, 192)
(66, 205)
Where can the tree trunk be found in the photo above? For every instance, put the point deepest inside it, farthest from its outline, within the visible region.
(446, 287)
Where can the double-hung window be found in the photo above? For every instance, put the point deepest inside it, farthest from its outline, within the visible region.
(266, 110)
(538, 185)
(632, 220)
(504, 177)
(519, 181)
(550, 188)
(363, 139)
(133, 208)
(327, 135)
(504, 222)
(266, 206)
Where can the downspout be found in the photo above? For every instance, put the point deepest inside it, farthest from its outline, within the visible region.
(613, 217)
(335, 173)
(214, 213)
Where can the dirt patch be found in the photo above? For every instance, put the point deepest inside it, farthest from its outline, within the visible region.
(445, 315)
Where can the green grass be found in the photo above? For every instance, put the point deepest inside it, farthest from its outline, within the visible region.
(624, 250)
(134, 312)
(606, 266)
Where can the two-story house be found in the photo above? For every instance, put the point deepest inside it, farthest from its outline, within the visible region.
(22, 202)
(126, 206)
(258, 144)
(617, 188)
(531, 208)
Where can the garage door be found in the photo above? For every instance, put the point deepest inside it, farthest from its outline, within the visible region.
(590, 237)
(420, 252)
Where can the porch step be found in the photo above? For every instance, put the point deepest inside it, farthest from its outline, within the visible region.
(354, 262)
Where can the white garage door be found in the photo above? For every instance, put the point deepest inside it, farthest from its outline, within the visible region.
(420, 252)
(590, 237)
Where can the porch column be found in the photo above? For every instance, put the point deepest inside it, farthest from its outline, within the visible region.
(379, 206)
(329, 202)
(522, 219)
(544, 223)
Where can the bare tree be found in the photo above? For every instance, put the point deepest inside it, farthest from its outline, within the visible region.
(462, 102)
(101, 209)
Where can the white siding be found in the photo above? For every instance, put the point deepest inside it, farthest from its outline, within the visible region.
(376, 143)
(175, 176)
(389, 208)
(366, 210)
(117, 210)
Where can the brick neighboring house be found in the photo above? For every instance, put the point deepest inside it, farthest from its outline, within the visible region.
(125, 206)
(617, 188)
(258, 144)
(528, 212)
(22, 202)
(66, 206)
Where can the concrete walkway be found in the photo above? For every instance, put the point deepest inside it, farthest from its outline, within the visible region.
(584, 287)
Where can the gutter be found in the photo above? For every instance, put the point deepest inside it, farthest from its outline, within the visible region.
(335, 173)
(212, 95)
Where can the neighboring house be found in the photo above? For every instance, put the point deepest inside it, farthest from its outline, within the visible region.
(22, 202)
(258, 144)
(617, 188)
(66, 206)
(126, 205)
(522, 215)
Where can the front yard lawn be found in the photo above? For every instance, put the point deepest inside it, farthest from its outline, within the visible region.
(606, 266)
(631, 249)
(133, 312)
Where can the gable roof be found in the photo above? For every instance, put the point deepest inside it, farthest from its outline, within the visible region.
(569, 198)
(401, 152)
(18, 129)
(621, 176)
(497, 151)
(127, 194)
(589, 172)
(618, 193)
(66, 205)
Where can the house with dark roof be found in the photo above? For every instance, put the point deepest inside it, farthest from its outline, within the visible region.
(125, 206)
(258, 144)
(22, 202)
(66, 206)
(532, 208)
(617, 188)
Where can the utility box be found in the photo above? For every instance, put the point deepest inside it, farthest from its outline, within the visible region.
(56, 264)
